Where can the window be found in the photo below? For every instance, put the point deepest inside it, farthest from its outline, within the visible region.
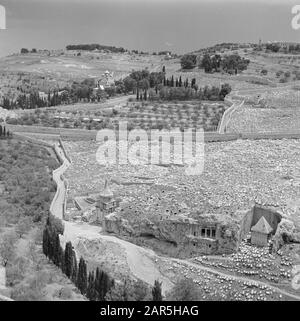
(213, 233)
(195, 233)
(208, 232)
(203, 232)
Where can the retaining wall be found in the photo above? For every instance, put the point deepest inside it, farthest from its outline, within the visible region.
(56, 150)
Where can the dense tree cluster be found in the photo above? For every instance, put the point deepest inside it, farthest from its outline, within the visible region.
(24, 51)
(215, 62)
(178, 82)
(91, 47)
(190, 93)
(274, 47)
(34, 100)
(286, 48)
(140, 81)
(188, 61)
(4, 133)
(231, 64)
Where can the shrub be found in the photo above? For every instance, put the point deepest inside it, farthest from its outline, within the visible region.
(188, 61)
(264, 72)
(184, 290)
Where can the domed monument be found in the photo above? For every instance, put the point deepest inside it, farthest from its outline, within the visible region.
(106, 203)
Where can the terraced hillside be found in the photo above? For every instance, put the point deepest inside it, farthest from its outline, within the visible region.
(146, 115)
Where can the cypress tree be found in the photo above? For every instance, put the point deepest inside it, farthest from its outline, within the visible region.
(74, 268)
(156, 291)
(51, 241)
(172, 81)
(62, 260)
(46, 241)
(91, 292)
(56, 254)
(97, 285)
(180, 82)
(68, 259)
(82, 276)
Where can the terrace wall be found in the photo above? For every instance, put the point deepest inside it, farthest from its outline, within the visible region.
(81, 135)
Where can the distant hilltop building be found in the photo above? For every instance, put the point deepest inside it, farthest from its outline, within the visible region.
(106, 80)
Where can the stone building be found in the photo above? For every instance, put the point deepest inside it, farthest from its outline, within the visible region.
(106, 203)
(261, 232)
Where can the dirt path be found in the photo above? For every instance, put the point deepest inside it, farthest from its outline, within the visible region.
(141, 261)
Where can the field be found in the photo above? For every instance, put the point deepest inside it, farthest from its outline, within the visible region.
(145, 115)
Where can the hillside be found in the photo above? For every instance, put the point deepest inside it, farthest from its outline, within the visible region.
(45, 72)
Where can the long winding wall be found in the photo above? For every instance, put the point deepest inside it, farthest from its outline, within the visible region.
(59, 202)
(228, 114)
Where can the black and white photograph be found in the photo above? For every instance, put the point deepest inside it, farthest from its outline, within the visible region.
(149, 155)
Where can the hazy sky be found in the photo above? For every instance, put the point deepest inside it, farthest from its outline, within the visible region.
(177, 25)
